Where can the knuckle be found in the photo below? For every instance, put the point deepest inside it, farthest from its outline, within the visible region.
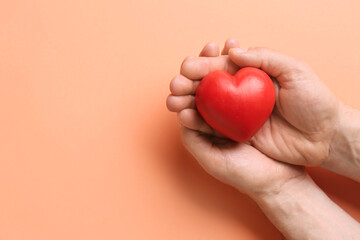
(173, 84)
(185, 64)
(211, 44)
(187, 60)
(169, 104)
(232, 41)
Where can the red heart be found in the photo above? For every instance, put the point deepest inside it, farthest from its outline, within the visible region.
(236, 106)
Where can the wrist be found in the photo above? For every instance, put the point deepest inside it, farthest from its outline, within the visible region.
(287, 188)
(289, 208)
(344, 148)
(301, 210)
(291, 187)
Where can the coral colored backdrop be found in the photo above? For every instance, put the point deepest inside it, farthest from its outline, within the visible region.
(87, 147)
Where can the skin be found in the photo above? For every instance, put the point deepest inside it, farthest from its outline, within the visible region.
(307, 116)
(308, 126)
(228, 161)
(306, 112)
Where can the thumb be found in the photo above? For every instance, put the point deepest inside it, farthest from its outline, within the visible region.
(273, 63)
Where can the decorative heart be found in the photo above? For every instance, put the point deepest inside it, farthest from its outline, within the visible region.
(236, 106)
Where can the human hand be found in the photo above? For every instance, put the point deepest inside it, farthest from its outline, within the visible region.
(306, 113)
(280, 189)
(238, 164)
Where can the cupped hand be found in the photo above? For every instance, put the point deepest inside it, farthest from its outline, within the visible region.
(306, 113)
(238, 164)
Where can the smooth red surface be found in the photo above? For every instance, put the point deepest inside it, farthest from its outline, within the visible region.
(236, 106)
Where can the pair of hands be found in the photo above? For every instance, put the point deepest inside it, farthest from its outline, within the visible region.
(298, 133)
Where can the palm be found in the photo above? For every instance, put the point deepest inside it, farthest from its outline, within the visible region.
(301, 125)
(239, 164)
(248, 167)
(302, 119)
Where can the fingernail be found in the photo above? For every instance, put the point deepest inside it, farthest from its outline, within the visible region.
(238, 50)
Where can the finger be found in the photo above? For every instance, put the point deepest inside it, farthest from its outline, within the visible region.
(181, 85)
(230, 43)
(210, 50)
(191, 119)
(178, 103)
(273, 63)
(197, 68)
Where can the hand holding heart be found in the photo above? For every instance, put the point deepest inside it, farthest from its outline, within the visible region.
(298, 130)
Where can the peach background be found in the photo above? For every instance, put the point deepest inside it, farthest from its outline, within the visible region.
(87, 147)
